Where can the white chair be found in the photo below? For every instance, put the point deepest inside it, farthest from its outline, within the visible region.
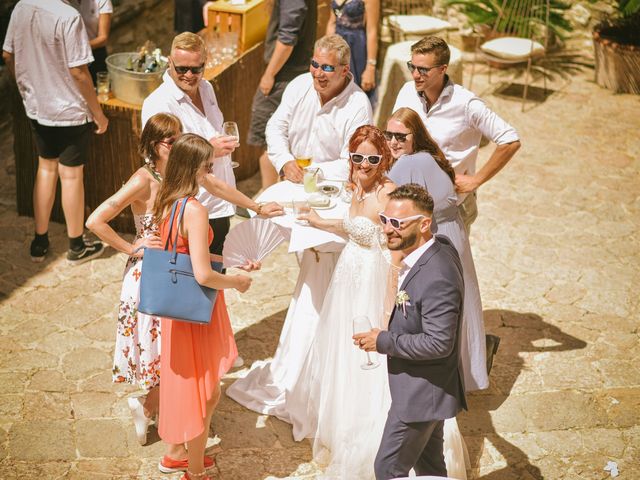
(406, 27)
(411, 19)
(519, 36)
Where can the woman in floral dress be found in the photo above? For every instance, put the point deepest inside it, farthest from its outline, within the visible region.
(137, 353)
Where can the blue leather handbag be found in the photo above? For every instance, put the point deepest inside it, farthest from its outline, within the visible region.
(168, 287)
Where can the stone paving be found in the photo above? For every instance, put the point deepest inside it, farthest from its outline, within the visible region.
(557, 250)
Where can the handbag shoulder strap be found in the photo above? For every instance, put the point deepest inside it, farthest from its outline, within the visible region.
(172, 218)
(174, 252)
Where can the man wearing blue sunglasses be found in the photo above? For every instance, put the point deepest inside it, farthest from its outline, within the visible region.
(318, 113)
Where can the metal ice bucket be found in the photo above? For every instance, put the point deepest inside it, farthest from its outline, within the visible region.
(129, 86)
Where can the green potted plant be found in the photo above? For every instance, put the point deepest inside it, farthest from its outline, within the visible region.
(483, 14)
(616, 41)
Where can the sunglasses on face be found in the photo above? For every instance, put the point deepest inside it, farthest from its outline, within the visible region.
(358, 158)
(324, 67)
(168, 142)
(181, 70)
(400, 137)
(423, 71)
(397, 223)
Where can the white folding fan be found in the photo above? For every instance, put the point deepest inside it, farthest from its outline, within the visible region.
(250, 240)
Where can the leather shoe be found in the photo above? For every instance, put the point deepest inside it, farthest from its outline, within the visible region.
(492, 342)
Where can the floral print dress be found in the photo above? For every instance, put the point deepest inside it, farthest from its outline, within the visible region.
(137, 355)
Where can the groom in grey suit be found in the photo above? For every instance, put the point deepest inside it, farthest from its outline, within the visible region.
(422, 341)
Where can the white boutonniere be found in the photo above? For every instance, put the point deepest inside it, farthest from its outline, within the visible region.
(401, 299)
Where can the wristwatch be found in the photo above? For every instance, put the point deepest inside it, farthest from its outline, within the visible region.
(372, 61)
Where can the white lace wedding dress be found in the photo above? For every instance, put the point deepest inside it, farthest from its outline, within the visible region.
(340, 405)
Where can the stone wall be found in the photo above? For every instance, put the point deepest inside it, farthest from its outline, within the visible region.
(136, 21)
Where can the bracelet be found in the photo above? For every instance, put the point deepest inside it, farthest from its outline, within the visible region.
(259, 209)
(372, 61)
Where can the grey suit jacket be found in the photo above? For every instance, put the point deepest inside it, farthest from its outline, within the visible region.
(423, 347)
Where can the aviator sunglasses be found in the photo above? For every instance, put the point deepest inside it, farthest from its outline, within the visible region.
(397, 223)
(324, 67)
(423, 71)
(183, 70)
(400, 137)
(358, 158)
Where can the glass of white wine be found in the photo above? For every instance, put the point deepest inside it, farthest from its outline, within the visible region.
(230, 129)
(362, 324)
(303, 157)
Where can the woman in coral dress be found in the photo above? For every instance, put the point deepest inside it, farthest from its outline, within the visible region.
(194, 357)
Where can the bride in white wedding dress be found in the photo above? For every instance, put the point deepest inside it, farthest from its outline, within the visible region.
(339, 404)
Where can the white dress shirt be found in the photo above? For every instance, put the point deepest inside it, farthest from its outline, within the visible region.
(457, 121)
(91, 11)
(301, 122)
(47, 38)
(168, 98)
(410, 260)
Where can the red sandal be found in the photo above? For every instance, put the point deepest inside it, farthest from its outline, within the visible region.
(169, 465)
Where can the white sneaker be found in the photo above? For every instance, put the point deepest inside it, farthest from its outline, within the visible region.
(238, 362)
(140, 420)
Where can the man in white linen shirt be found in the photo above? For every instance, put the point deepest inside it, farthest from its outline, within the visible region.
(321, 110)
(185, 94)
(47, 50)
(456, 119)
(318, 113)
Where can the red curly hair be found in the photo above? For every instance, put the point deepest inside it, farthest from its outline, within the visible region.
(373, 135)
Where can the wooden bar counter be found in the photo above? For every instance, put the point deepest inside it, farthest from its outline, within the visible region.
(113, 156)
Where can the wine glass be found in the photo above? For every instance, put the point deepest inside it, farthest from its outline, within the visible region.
(303, 156)
(361, 324)
(300, 208)
(230, 129)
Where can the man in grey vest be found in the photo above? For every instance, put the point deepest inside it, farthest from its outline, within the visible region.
(422, 343)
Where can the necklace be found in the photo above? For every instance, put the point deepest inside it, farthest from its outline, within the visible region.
(154, 173)
(361, 197)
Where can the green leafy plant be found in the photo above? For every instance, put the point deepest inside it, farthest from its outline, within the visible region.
(563, 63)
(628, 7)
(485, 13)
